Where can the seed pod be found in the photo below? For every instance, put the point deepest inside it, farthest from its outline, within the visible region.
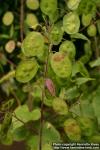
(50, 86)
(33, 44)
(26, 70)
(72, 130)
(60, 106)
(86, 125)
(86, 19)
(10, 46)
(61, 64)
(49, 8)
(32, 4)
(56, 34)
(91, 30)
(71, 23)
(68, 48)
(8, 18)
(31, 20)
(73, 4)
(47, 147)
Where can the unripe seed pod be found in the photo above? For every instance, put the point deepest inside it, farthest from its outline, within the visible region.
(72, 130)
(10, 46)
(86, 19)
(91, 30)
(33, 44)
(8, 18)
(31, 20)
(49, 8)
(68, 48)
(26, 70)
(32, 4)
(60, 106)
(71, 23)
(73, 4)
(61, 64)
(56, 34)
(86, 125)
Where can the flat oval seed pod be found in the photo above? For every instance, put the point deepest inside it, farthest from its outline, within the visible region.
(56, 34)
(71, 23)
(33, 44)
(31, 20)
(8, 18)
(86, 19)
(92, 30)
(26, 70)
(73, 4)
(61, 64)
(48, 7)
(10, 46)
(68, 48)
(60, 106)
(32, 4)
(72, 129)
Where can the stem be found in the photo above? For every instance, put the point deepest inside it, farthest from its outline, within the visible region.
(22, 20)
(43, 96)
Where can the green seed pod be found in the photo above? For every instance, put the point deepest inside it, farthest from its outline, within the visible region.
(33, 44)
(10, 46)
(31, 20)
(86, 125)
(8, 18)
(26, 70)
(68, 48)
(61, 64)
(86, 19)
(91, 30)
(71, 23)
(48, 7)
(72, 130)
(73, 4)
(32, 4)
(56, 34)
(60, 106)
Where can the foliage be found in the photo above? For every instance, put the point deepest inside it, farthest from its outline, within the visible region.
(49, 72)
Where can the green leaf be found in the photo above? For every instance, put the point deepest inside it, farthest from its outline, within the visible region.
(79, 36)
(35, 114)
(33, 142)
(95, 63)
(50, 134)
(83, 80)
(96, 104)
(20, 134)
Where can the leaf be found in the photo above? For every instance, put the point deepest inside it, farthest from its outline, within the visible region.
(83, 80)
(50, 86)
(35, 114)
(50, 134)
(20, 134)
(96, 104)
(95, 63)
(79, 36)
(33, 142)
